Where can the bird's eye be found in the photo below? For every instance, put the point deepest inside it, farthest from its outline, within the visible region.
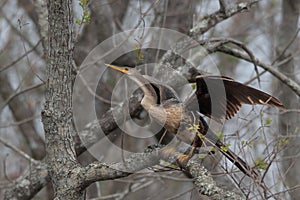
(126, 68)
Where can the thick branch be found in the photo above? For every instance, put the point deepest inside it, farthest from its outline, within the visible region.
(83, 177)
(136, 162)
(30, 183)
(206, 185)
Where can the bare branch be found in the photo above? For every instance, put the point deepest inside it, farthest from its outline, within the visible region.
(18, 151)
(206, 185)
(203, 180)
(213, 19)
(29, 184)
(22, 112)
(108, 122)
(19, 122)
(82, 177)
(31, 45)
(242, 46)
(12, 96)
(136, 162)
(286, 80)
(20, 58)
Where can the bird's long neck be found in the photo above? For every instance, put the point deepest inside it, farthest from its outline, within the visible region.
(150, 96)
(168, 117)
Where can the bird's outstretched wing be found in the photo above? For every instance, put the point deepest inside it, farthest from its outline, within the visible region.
(220, 97)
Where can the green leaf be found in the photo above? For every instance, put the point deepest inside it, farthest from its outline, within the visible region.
(202, 137)
(202, 156)
(282, 142)
(78, 21)
(83, 3)
(194, 127)
(193, 86)
(260, 163)
(220, 135)
(225, 148)
(268, 121)
(138, 52)
(85, 18)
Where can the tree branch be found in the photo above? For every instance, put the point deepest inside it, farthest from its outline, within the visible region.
(136, 162)
(211, 20)
(27, 186)
(30, 183)
(22, 112)
(283, 78)
(206, 185)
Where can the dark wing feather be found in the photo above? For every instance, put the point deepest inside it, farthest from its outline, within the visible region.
(165, 93)
(228, 96)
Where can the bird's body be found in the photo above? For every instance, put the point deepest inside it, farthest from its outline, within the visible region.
(169, 116)
(163, 104)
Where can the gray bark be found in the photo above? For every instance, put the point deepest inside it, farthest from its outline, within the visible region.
(57, 114)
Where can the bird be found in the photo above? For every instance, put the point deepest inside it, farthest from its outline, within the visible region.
(165, 107)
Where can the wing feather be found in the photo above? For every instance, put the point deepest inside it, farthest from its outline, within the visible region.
(229, 98)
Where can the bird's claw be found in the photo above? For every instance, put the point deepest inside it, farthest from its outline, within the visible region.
(182, 160)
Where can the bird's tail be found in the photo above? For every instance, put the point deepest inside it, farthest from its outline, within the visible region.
(236, 160)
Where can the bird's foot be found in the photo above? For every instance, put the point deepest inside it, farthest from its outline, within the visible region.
(182, 160)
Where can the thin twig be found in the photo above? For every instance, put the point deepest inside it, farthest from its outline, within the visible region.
(4, 169)
(19, 122)
(21, 57)
(245, 48)
(283, 78)
(27, 58)
(18, 32)
(11, 97)
(18, 151)
(288, 45)
(287, 59)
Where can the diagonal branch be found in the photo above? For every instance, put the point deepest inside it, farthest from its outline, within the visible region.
(211, 20)
(138, 161)
(35, 179)
(283, 78)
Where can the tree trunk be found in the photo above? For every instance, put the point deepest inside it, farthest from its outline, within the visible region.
(57, 113)
(289, 121)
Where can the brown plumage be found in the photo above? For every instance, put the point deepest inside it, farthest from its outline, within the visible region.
(163, 104)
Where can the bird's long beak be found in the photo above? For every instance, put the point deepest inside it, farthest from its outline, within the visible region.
(117, 68)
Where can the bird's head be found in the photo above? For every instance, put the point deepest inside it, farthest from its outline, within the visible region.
(150, 95)
(124, 70)
(132, 73)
